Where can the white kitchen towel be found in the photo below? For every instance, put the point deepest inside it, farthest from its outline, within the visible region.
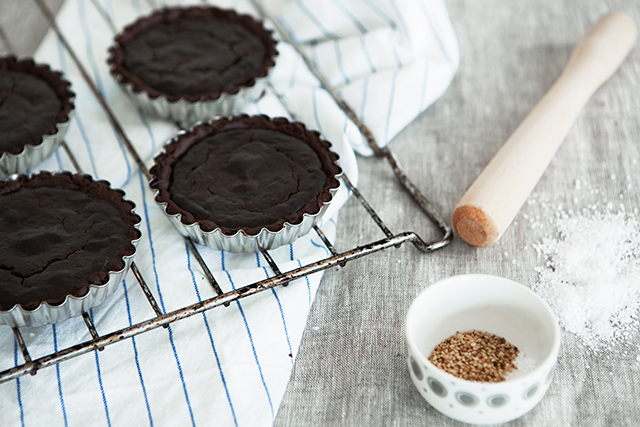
(229, 366)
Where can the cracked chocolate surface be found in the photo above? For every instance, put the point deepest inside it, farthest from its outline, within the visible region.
(58, 240)
(246, 178)
(29, 107)
(193, 53)
(246, 173)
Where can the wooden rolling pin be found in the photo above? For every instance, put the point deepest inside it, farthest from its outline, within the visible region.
(494, 199)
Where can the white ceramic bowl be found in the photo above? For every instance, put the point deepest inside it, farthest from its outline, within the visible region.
(489, 304)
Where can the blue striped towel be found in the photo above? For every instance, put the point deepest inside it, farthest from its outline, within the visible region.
(389, 59)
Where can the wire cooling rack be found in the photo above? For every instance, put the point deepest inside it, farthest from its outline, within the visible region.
(337, 259)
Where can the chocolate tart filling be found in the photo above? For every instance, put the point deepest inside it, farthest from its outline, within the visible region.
(246, 174)
(192, 53)
(33, 101)
(61, 234)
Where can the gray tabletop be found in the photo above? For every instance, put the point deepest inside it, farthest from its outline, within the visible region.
(351, 367)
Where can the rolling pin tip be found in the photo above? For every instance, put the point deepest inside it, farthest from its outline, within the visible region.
(474, 226)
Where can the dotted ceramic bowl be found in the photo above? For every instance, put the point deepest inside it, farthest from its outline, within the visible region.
(489, 304)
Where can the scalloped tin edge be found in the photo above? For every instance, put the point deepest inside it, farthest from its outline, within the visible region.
(72, 306)
(241, 242)
(187, 113)
(32, 155)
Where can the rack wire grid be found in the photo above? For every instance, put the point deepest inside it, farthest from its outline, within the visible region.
(337, 259)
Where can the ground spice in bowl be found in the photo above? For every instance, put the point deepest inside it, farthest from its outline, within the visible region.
(475, 356)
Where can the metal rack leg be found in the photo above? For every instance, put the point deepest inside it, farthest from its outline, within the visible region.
(92, 328)
(22, 345)
(145, 289)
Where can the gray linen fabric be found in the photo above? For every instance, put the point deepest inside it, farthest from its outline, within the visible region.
(351, 368)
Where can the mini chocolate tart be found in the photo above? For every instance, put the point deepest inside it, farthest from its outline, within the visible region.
(67, 242)
(246, 183)
(191, 64)
(35, 111)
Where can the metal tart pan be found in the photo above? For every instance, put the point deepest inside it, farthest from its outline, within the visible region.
(242, 242)
(32, 155)
(72, 306)
(187, 113)
(186, 110)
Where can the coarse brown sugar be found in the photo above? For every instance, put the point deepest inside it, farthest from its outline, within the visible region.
(475, 356)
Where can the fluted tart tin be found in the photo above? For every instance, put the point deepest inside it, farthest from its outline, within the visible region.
(191, 64)
(35, 113)
(68, 241)
(246, 183)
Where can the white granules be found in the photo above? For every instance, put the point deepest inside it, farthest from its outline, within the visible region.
(591, 276)
(524, 365)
